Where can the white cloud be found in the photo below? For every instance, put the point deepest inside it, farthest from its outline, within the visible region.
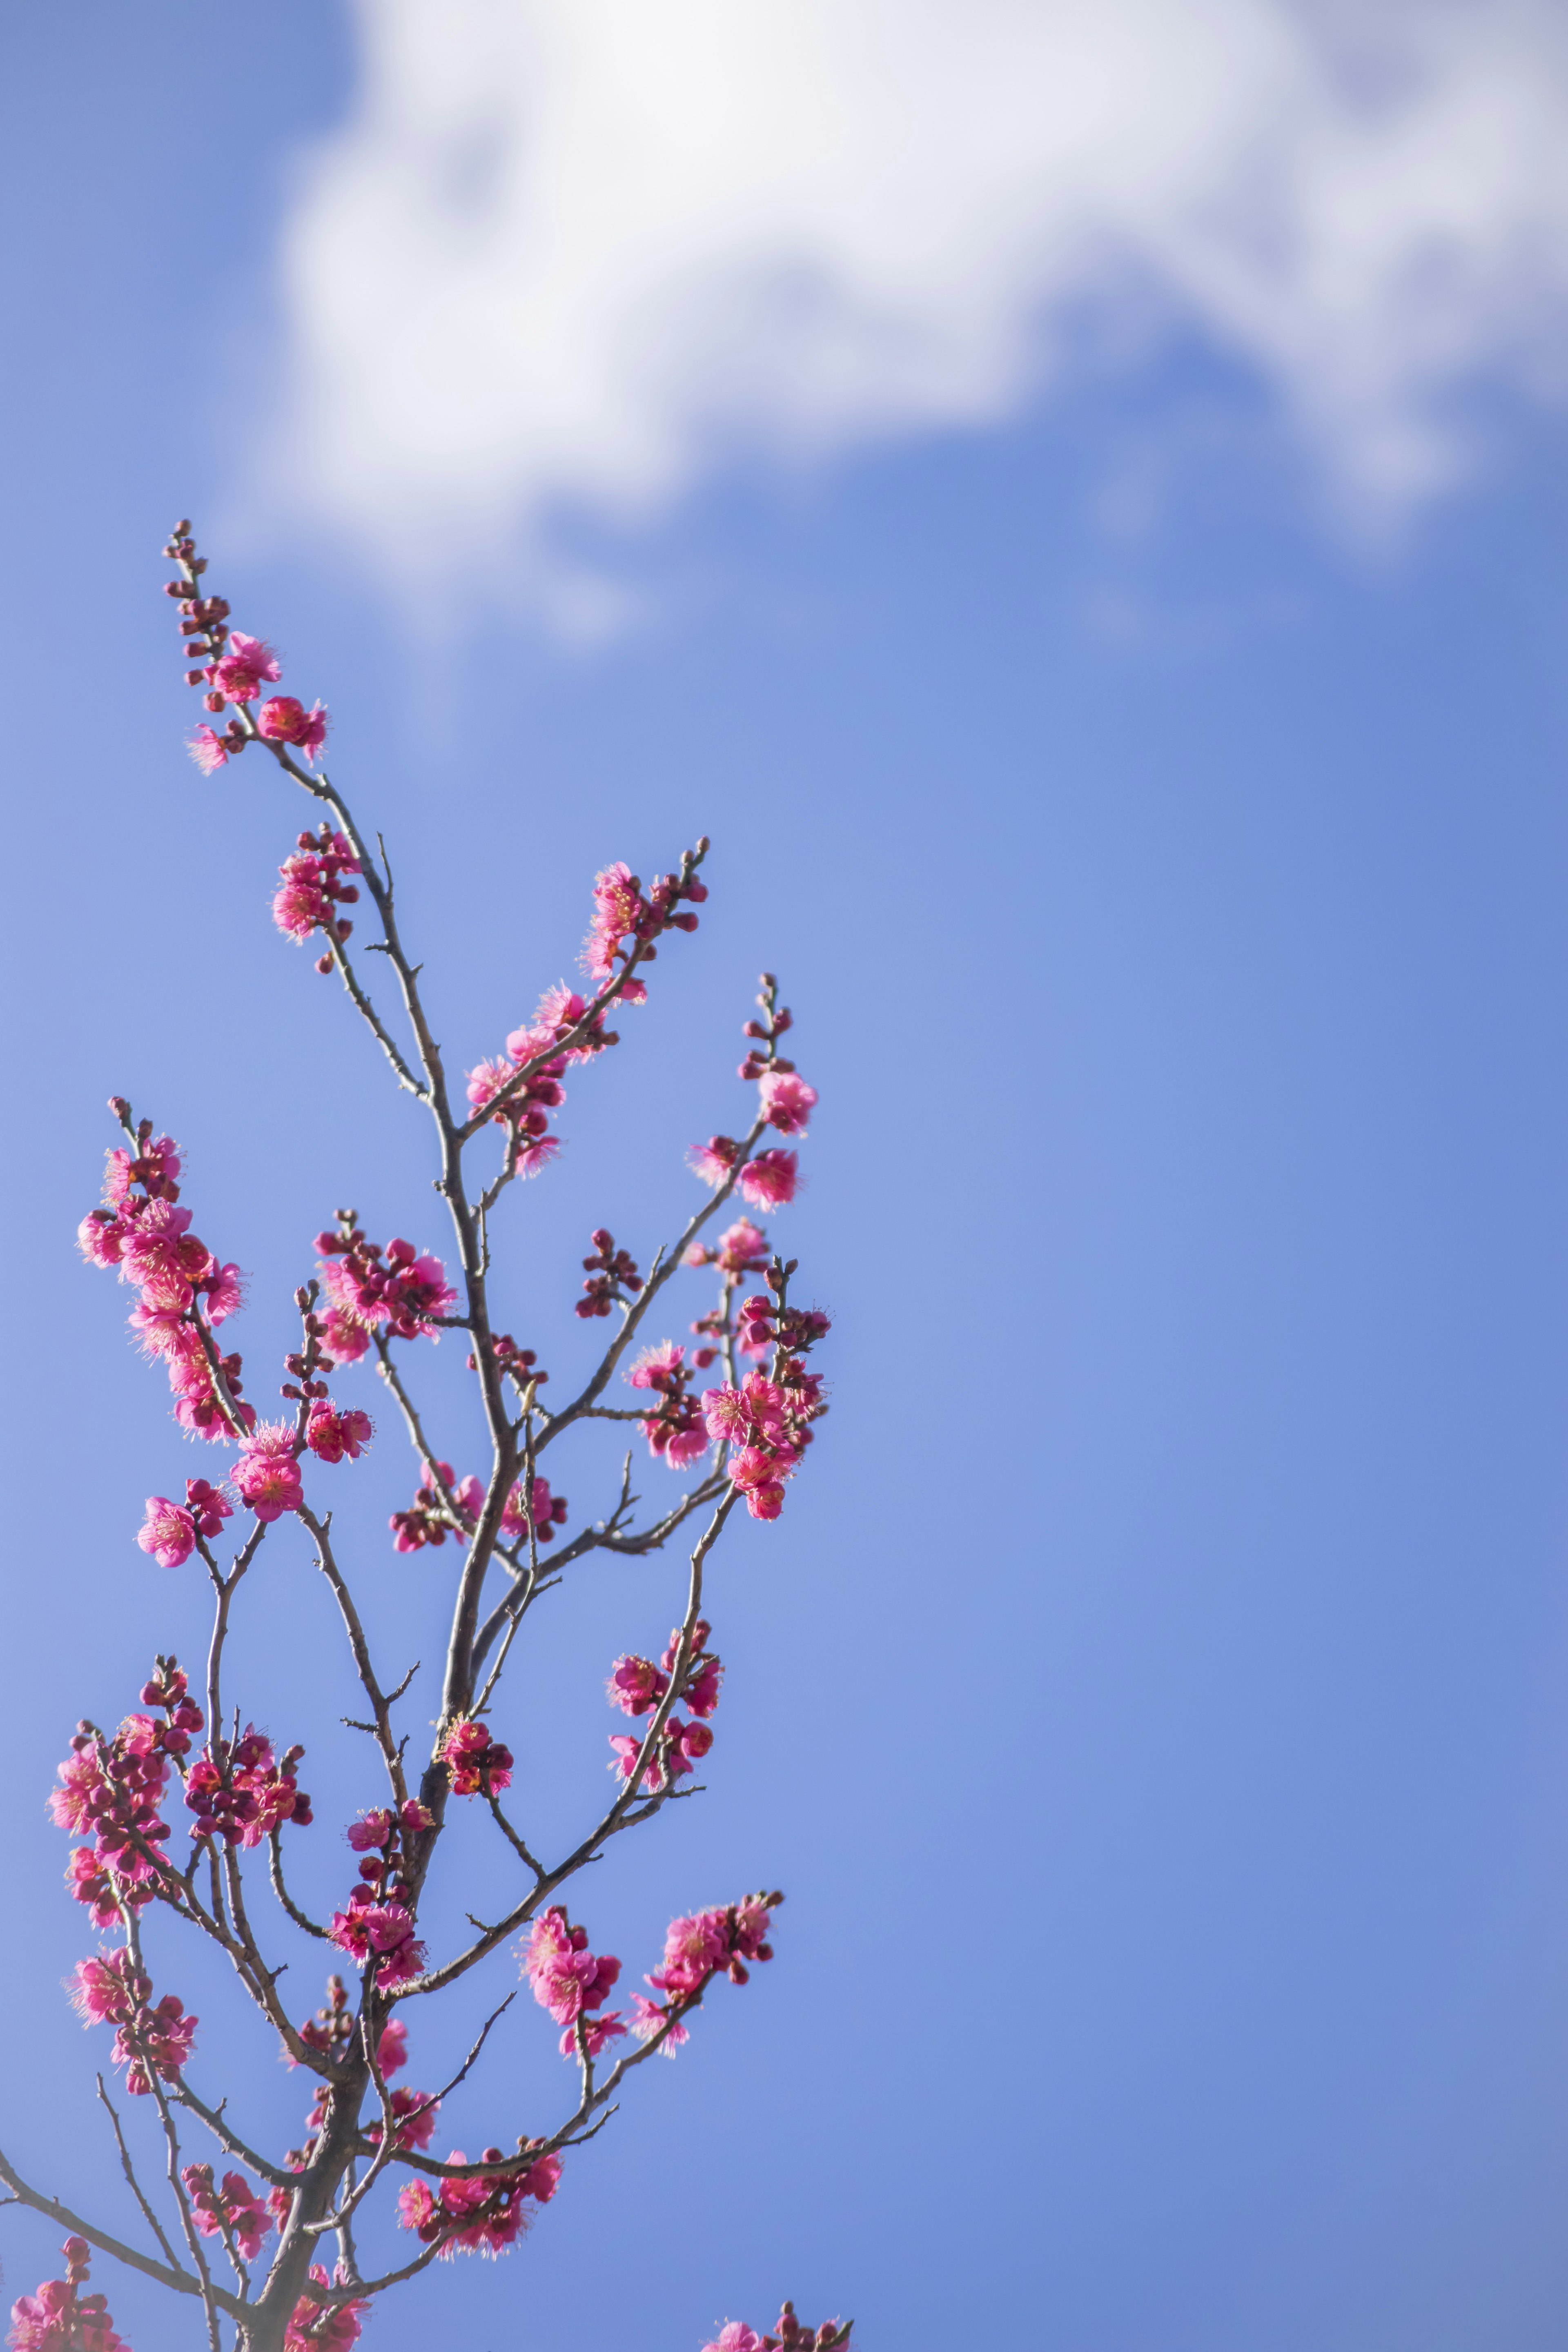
(572, 255)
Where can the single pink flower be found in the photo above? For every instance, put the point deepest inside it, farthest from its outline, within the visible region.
(714, 1160)
(267, 1475)
(667, 1358)
(208, 749)
(246, 665)
(770, 1181)
(285, 720)
(163, 1257)
(787, 1101)
(735, 2337)
(169, 1533)
(333, 1431)
(760, 1477)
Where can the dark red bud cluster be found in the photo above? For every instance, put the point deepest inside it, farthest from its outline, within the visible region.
(612, 1275)
(789, 2336)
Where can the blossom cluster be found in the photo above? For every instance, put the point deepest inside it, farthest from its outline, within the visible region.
(613, 1277)
(59, 2317)
(371, 1287)
(698, 1948)
(623, 912)
(524, 1083)
(476, 1763)
(767, 1422)
(234, 2213)
(313, 888)
(318, 2327)
(483, 2214)
(233, 669)
(572, 1983)
(637, 1687)
(376, 1924)
(241, 1791)
(111, 1790)
(184, 1291)
(109, 1989)
(787, 2335)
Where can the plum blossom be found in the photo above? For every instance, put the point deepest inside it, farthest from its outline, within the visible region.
(549, 1512)
(316, 2328)
(770, 1180)
(168, 1533)
(163, 1257)
(568, 1980)
(246, 665)
(285, 720)
(235, 2208)
(382, 1933)
(484, 2214)
(735, 2337)
(333, 1433)
(267, 1474)
(787, 1101)
(209, 750)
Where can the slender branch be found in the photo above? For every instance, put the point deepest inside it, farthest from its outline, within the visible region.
(275, 1844)
(380, 1706)
(129, 2171)
(182, 2282)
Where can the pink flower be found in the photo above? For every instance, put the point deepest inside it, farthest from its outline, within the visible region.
(246, 665)
(59, 2318)
(650, 2017)
(169, 1533)
(208, 1506)
(770, 1181)
(101, 1237)
(332, 1432)
(267, 1475)
(313, 2328)
(209, 750)
(224, 1288)
(664, 1358)
(787, 1101)
(735, 2337)
(392, 2050)
(346, 1337)
(694, 1947)
(549, 1512)
(714, 1160)
(370, 1832)
(596, 2031)
(635, 1685)
(682, 1447)
(236, 2207)
(285, 720)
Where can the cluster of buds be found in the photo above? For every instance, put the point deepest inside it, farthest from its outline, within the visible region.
(233, 2212)
(613, 1277)
(370, 1286)
(484, 2214)
(767, 1422)
(475, 1764)
(519, 1364)
(623, 912)
(110, 1988)
(59, 2317)
(183, 1292)
(240, 1792)
(769, 1179)
(313, 888)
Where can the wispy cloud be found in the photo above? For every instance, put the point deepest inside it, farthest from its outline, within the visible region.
(570, 255)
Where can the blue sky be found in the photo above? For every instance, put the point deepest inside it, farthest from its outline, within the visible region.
(1151, 1698)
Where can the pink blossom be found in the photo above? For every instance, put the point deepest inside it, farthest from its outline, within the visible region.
(787, 1101)
(487, 1079)
(333, 1431)
(101, 1237)
(346, 1337)
(235, 2208)
(735, 2337)
(392, 2050)
(549, 1512)
(770, 1181)
(682, 1447)
(489, 2205)
(694, 1947)
(248, 664)
(169, 1533)
(208, 1506)
(714, 1160)
(159, 2039)
(371, 1832)
(285, 720)
(618, 908)
(635, 1685)
(224, 1288)
(208, 749)
(596, 2031)
(664, 1358)
(652, 2018)
(59, 2318)
(267, 1475)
